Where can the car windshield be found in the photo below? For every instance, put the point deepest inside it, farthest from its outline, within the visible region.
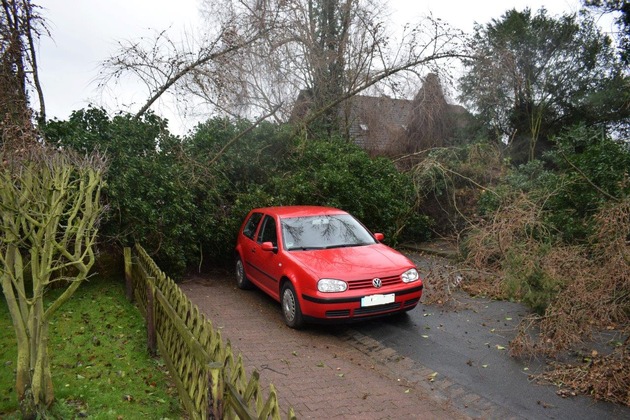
(322, 232)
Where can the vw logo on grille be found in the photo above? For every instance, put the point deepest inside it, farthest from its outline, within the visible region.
(377, 283)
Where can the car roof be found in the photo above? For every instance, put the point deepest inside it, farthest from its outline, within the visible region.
(299, 211)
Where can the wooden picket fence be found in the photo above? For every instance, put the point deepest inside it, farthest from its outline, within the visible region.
(211, 382)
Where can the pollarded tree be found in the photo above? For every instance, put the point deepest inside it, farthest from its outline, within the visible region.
(533, 75)
(49, 205)
(49, 201)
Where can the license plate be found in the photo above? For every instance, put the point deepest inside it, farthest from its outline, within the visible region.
(374, 300)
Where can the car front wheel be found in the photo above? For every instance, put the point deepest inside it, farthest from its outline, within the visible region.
(291, 307)
(241, 279)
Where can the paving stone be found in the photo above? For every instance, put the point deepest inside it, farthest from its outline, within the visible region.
(320, 373)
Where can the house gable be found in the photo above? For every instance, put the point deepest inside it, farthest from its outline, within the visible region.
(388, 126)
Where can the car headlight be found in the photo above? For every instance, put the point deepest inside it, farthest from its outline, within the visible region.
(410, 275)
(331, 285)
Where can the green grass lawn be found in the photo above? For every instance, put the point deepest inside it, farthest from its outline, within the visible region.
(100, 365)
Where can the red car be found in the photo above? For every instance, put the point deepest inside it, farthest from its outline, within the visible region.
(321, 263)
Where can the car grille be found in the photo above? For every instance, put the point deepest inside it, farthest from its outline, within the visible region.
(367, 283)
(375, 309)
(337, 314)
(344, 313)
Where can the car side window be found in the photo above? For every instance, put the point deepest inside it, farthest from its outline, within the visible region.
(250, 227)
(268, 231)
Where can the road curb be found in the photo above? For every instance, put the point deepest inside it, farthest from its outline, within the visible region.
(403, 369)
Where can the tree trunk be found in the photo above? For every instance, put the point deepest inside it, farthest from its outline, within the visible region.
(51, 203)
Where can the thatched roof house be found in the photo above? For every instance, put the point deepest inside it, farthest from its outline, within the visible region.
(388, 126)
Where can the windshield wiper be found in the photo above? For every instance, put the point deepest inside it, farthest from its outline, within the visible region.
(304, 248)
(348, 245)
(340, 246)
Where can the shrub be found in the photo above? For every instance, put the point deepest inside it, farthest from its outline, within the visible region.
(147, 188)
(451, 182)
(284, 171)
(184, 199)
(558, 241)
(339, 174)
(593, 169)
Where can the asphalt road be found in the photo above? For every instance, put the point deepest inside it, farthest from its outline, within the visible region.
(467, 348)
(465, 344)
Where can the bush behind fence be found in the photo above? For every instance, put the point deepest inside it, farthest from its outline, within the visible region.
(211, 382)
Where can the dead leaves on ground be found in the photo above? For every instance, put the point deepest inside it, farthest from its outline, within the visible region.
(605, 378)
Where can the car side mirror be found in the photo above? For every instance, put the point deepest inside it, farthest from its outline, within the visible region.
(379, 236)
(269, 246)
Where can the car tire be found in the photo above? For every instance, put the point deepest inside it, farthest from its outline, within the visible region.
(291, 311)
(241, 278)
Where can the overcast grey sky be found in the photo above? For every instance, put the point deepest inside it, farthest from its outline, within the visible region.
(84, 33)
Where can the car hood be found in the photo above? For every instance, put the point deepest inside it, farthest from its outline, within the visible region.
(354, 262)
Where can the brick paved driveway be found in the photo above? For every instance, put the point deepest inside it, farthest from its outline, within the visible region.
(318, 371)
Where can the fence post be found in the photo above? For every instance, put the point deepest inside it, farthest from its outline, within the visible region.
(128, 276)
(151, 333)
(215, 390)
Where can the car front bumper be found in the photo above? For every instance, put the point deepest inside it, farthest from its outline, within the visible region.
(353, 307)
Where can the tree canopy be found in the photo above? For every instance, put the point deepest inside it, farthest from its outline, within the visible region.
(533, 75)
(622, 7)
